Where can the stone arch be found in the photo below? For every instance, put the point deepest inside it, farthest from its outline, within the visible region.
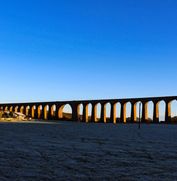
(33, 111)
(117, 112)
(88, 113)
(16, 108)
(174, 110)
(149, 107)
(40, 112)
(46, 112)
(11, 109)
(53, 111)
(128, 111)
(97, 114)
(6, 108)
(160, 111)
(80, 109)
(107, 112)
(27, 110)
(139, 110)
(134, 112)
(65, 112)
(60, 112)
(22, 109)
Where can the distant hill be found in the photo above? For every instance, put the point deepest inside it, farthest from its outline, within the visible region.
(174, 119)
(67, 116)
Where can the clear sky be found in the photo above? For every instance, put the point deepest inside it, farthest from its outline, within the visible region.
(87, 49)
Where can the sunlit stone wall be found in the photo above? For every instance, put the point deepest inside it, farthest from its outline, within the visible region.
(148, 110)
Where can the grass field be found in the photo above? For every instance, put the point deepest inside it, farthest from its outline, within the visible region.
(78, 151)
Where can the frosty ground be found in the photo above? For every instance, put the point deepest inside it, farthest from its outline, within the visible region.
(78, 151)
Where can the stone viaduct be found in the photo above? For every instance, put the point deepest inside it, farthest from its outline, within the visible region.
(87, 110)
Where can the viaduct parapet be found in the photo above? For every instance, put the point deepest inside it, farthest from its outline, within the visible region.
(96, 110)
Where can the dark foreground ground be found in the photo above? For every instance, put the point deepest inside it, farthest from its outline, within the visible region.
(73, 151)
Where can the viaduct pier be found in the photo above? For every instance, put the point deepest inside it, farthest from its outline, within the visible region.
(98, 111)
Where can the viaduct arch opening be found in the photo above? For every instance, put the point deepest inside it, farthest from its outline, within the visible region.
(65, 112)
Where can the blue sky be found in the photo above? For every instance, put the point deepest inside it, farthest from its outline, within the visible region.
(91, 49)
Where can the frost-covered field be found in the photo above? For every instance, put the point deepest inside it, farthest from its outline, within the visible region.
(76, 151)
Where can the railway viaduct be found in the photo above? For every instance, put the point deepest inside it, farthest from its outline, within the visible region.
(87, 110)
